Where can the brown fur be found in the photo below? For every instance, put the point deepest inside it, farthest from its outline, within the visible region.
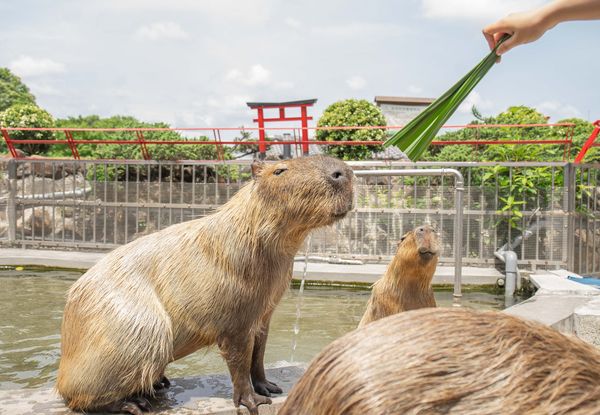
(451, 361)
(211, 280)
(406, 284)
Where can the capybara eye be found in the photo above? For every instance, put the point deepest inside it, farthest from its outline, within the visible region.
(279, 171)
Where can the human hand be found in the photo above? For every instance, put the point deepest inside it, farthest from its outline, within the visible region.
(523, 27)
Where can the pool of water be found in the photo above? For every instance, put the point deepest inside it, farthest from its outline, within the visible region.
(32, 302)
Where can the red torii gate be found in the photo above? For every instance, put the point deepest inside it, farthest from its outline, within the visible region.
(281, 106)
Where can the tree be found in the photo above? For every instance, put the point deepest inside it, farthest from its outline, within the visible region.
(13, 91)
(352, 112)
(28, 115)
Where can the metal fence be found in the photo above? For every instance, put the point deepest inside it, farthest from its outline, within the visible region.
(98, 205)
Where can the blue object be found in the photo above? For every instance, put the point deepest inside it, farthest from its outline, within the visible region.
(586, 280)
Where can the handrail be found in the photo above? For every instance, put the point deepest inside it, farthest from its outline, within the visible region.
(458, 206)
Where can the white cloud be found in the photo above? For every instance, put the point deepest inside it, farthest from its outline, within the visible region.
(161, 30)
(43, 89)
(360, 29)
(256, 75)
(556, 110)
(284, 85)
(248, 11)
(28, 66)
(291, 22)
(413, 89)
(474, 99)
(356, 82)
(479, 10)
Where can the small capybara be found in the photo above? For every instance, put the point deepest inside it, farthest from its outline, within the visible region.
(214, 280)
(406, 284)
(450, 361)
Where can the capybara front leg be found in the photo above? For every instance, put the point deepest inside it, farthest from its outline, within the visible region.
(257, 372)
(237, 352)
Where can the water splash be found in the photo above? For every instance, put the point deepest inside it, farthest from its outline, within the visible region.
(300, 300)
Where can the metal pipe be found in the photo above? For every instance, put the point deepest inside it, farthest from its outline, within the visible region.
(458, 206)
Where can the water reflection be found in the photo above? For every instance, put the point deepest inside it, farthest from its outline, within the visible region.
(31, 306)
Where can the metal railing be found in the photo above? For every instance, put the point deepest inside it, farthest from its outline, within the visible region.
(143, 137)
(99, 205)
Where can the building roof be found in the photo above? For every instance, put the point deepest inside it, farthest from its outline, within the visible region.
(279, 104)
(403, 100)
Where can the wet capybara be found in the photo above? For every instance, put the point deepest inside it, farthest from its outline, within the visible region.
(406, 284)
(212, 280)
(450, 361)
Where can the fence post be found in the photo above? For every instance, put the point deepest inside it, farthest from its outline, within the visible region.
(11, 207)
(570, 179)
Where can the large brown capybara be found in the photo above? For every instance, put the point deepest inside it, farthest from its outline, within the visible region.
(212, 280)
(406, 284)
(450, 361)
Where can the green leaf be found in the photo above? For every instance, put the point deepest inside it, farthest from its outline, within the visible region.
(416, 136)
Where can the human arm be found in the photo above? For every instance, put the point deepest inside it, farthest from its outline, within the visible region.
(529, 26)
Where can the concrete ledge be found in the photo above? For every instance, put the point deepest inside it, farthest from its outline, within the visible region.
(317, 271)
(187, 396)
(563, 304)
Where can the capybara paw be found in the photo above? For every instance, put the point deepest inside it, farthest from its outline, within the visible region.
(133, 406)
(162, 384)
(266, 388)
(251, 401)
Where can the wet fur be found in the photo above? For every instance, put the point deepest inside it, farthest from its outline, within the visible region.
(406, 284)
(194, 284)
(451, 361)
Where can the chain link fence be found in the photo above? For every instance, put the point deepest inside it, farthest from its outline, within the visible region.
(99, 205)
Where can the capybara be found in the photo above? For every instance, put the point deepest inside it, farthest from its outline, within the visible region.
(450, 361)
(406, 284)
(212, 280)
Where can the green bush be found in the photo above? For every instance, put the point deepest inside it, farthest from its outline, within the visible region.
(28, 115)
(133, 150)
(355, 113)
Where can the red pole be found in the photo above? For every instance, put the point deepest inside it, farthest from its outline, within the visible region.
(9, 144)
(304, 117)
(588, 143)
(262, 148)
(72, 145)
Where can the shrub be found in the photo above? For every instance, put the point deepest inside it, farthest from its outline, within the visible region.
(352, 112)
(28, 115)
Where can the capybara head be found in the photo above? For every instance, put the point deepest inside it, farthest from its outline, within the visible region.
(419, 245)
(450, 361)
(312, 191)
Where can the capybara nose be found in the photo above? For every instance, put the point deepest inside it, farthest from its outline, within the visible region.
(424, 250)
(338, 174)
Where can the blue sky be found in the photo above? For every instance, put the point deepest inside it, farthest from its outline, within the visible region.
(196, 63)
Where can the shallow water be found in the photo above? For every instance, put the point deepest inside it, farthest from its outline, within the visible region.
(32, 302)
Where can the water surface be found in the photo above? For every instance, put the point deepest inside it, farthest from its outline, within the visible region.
(32, 302)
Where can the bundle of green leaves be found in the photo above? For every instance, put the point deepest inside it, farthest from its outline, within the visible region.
(416, 136)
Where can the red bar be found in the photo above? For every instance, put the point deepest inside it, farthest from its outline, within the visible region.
(305, 118)
(72, 145)
(588, 143)
(262, 148)
(284, 119)
(142, 142)
(9, 144)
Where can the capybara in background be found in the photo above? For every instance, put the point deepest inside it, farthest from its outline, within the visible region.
(406, 284)
(450, 361)
(212, 280)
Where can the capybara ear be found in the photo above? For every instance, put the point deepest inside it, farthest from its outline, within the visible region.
(257, 168)
(402, 238)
